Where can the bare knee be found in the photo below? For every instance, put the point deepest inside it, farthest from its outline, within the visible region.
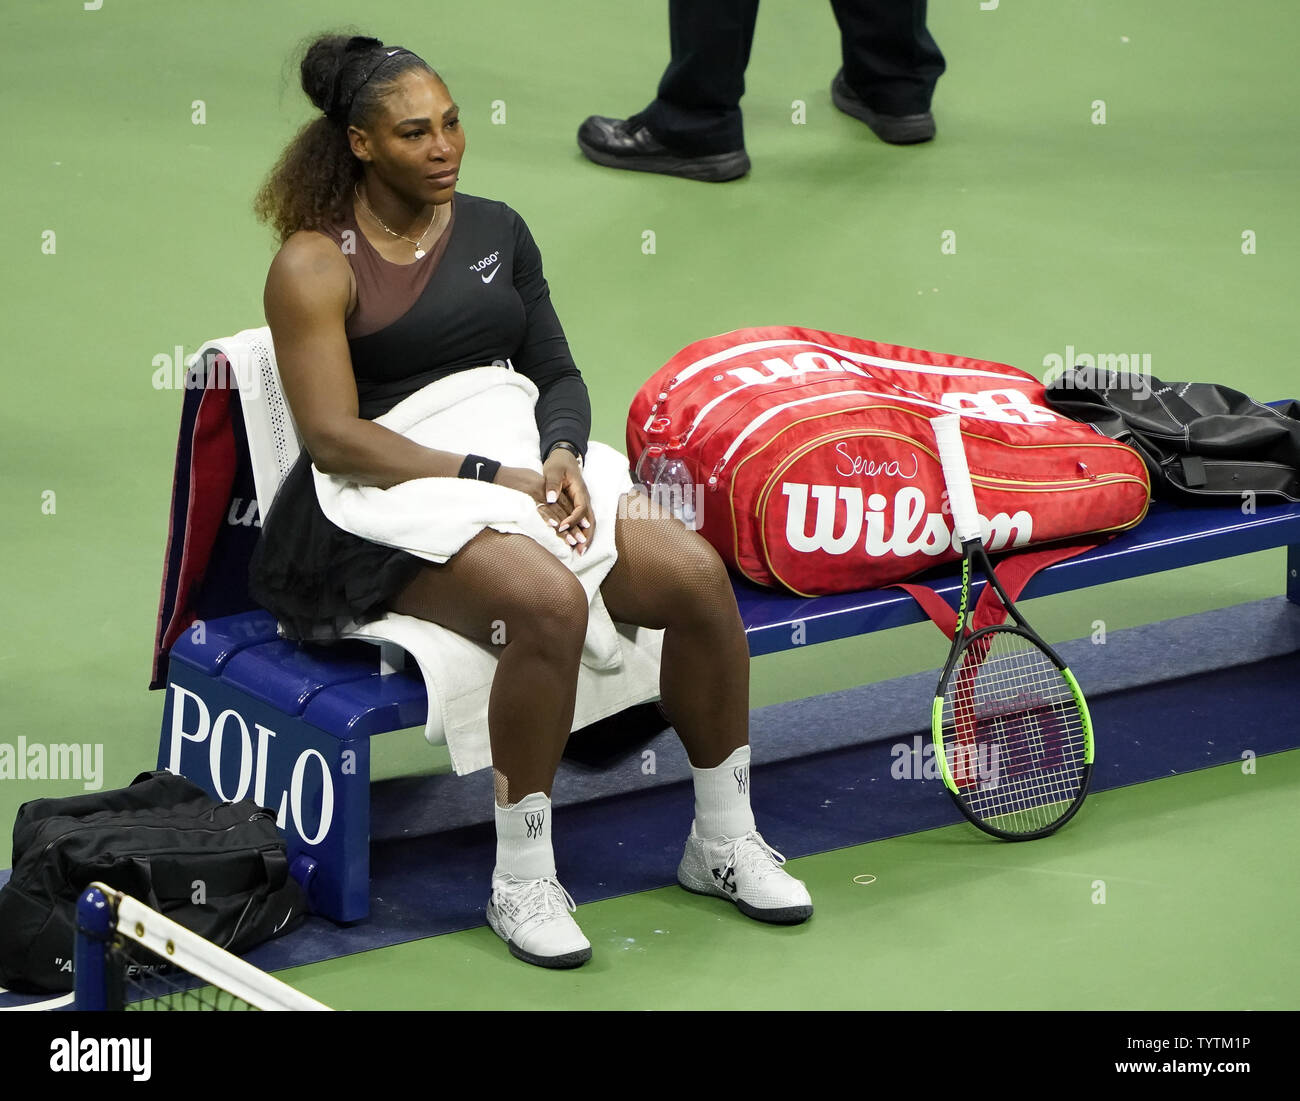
(502, 590)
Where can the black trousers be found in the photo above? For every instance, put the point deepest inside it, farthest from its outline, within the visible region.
(890, 61)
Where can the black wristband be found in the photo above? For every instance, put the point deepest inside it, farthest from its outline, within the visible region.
(479, 468)
(567, 446)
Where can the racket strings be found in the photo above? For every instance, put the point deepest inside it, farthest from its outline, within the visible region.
(1014, 736)
(1012, 779)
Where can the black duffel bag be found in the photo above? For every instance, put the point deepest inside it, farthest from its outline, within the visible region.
(1199, 440)
(219, 869)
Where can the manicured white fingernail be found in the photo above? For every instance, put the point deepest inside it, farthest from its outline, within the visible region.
(581, 538)
(553, 523)
(586, 523)
(552, 496)
(563, 527)
(572, 541)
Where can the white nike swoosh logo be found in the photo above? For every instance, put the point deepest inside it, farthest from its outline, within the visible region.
(283, 923)
(477, 468)
(489, 278)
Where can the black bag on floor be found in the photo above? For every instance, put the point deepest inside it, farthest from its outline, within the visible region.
(219, 869)
(1199, 440)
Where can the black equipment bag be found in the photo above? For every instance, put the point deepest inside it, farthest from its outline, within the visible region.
(219, 869)
(1199, 440)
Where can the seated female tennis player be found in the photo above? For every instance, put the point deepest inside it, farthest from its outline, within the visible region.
(364, 313)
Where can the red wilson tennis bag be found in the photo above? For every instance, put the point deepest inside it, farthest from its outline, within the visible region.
(807, 459)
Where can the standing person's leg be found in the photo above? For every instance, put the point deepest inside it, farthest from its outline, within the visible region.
(693, 127)
(697, 108)
(891, 67)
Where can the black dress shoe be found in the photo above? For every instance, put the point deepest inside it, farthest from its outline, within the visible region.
(626, 143)
(895, 129)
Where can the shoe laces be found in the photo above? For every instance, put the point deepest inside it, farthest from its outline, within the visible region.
(536, 898)
(751, 853)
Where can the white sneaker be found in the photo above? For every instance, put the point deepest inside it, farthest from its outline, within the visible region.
(533, 917)
(747, 871)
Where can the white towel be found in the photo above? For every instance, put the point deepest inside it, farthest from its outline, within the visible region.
(491, 411)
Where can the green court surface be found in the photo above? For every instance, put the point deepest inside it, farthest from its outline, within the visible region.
(1177, 894)
(1169, 230)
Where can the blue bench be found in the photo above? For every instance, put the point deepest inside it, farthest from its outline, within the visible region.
(250, 714)
(1168, 538)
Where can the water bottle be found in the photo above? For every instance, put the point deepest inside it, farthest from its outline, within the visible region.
(674, 489)
(663, 473)
(647, 467)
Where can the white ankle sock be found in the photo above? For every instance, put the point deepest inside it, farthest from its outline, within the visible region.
(524, 838)
(722, 797)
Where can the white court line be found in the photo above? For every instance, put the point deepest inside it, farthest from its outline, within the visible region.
(48, 1003)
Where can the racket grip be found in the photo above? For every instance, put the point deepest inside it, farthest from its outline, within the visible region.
(956, 475)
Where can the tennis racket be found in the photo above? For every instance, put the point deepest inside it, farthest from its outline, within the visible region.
(1011, 729)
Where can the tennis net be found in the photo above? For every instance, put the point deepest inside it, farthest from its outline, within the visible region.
(130, 957)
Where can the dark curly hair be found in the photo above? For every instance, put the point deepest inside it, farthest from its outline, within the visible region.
(346, 77)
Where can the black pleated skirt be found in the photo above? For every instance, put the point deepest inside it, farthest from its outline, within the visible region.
(313, 576)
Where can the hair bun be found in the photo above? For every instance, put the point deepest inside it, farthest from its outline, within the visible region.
(323, 64)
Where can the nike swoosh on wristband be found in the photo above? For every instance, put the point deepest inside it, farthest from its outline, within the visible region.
(489, 278)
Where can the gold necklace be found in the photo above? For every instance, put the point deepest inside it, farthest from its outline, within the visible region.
(419, 245)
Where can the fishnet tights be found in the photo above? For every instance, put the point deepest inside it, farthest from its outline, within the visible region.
(508, 592)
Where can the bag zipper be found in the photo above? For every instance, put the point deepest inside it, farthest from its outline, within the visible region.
(706, 409)
(860, 358)
(1007, 485)
(767, 415)
(727, 456)
(143, 826)
(851, 392)
(1024, 485)
(1027, 485)
(857, 357)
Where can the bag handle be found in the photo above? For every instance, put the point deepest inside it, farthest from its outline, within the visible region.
(275, 865)
(1014, 573)
(275, 873)
(143, 872)
(942, 614)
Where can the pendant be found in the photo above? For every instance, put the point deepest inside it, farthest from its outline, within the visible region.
(419, 253)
